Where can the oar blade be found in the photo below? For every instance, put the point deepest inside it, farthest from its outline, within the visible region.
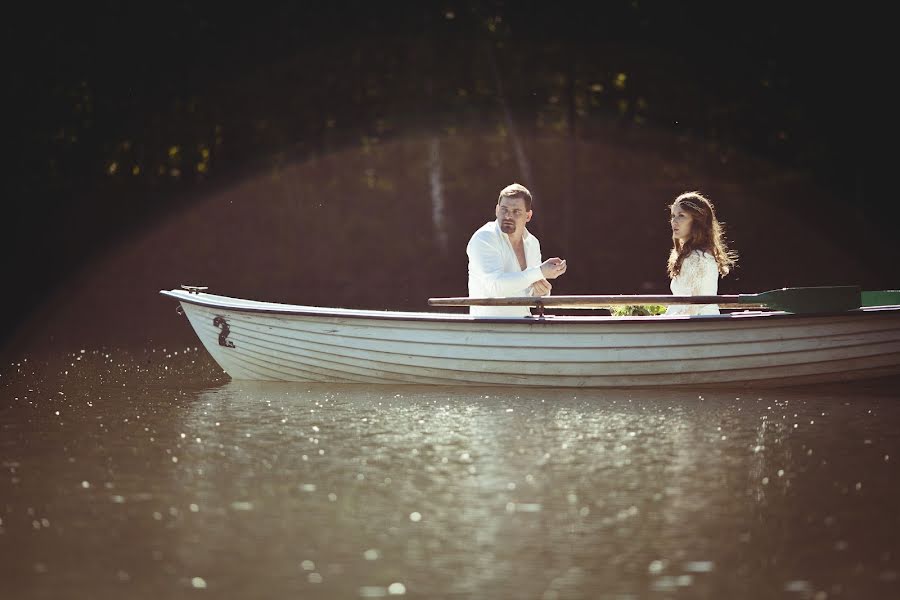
(823, 299)
(881, 298)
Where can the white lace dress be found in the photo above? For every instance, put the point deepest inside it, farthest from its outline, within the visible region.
(699, 277)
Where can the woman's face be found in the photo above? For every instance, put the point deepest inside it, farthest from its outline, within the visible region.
(681, 223)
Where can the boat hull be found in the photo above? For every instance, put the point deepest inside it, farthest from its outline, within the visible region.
(278, 342)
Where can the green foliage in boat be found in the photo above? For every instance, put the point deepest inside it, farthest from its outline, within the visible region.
(637, 310)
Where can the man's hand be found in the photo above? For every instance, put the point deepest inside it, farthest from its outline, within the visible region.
(540, 287)
(553, 268)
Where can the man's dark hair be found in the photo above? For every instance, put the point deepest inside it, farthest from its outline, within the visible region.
(516, 190)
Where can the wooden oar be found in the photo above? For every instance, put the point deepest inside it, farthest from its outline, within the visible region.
(795, 300)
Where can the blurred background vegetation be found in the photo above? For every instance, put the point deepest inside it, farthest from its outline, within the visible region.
(379, 133)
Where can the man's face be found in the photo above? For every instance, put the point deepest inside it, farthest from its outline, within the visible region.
(512, 215)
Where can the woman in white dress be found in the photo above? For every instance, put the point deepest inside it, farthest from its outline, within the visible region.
(699, 253)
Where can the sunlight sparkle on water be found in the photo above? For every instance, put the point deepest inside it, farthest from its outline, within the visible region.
(670, 583)
(396, 589)
(799, 586)
(373, 591)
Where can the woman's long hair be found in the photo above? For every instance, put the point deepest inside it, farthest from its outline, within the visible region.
(707, 235)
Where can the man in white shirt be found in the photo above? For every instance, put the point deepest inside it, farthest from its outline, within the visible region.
(505, 258)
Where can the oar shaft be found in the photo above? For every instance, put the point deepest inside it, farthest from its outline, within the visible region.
(587, 301)
(795, 300)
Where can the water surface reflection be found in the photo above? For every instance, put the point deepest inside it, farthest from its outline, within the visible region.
(147, 490)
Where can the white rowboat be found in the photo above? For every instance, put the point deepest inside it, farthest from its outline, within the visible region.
(254, 340)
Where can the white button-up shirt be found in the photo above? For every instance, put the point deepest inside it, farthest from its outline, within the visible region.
(494, 270)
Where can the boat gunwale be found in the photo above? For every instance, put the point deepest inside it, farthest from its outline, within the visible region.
(389, 315)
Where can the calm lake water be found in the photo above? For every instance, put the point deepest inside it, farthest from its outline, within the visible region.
(152, 475)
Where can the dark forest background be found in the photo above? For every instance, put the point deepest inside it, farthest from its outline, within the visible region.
(341, 153)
